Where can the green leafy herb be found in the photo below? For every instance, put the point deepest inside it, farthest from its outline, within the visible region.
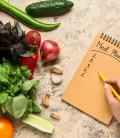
(36, 109)
(23, 68)
(29, 105)
(3, 97)
(17, 93)
(19, 105)
(3, 108)
(8, 106)
(17, 86)
(27, 85)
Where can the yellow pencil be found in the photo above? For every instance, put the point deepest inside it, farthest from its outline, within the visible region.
(112, 89)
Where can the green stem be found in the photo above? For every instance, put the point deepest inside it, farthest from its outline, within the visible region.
(24, 18)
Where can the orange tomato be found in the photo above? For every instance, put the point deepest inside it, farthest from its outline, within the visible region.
(6, 128)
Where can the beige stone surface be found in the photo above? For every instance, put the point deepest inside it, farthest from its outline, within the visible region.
(77, 31)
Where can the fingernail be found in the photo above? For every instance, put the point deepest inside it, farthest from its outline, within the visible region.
(106, 85)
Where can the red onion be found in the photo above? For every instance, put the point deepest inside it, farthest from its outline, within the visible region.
(33, 37)
(49, 50)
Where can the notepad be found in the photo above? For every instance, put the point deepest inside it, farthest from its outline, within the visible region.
(86, 90)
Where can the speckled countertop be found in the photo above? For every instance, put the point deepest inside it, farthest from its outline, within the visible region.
(77, 31)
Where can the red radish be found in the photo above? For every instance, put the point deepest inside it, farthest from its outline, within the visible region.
(49, 50)
(33, 37)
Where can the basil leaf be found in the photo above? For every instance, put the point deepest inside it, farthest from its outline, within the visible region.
(20, 48)
(26, 74)
(7, 65)
(32, 93)
(18, 71)
(17, 86)
(26, 113)
(23, 68)
(8, 106)
(4, 82)
(13, 79)
(29, 106)
(10, 89)
(3, 108)
(27, 85)
(3, 71)
(36, 83)
(19, 30)
(3, 97)
(19, 105)
(36, 109)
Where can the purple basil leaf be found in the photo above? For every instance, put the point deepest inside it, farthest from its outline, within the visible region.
(14, 30)
(19, 30)
(14, 38)
(8, 26)
(13, 53)
(20, 48)
(12, 50)
(12, 41)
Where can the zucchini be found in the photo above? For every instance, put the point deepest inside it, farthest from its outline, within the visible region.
(48, 8)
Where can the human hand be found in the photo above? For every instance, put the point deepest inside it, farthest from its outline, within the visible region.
(113, 102)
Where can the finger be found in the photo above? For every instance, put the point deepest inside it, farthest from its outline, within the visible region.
(118, 83)
(109, 95)
(114, 81)
(111, 81)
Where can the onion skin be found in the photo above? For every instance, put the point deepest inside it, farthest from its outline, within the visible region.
(49, 50)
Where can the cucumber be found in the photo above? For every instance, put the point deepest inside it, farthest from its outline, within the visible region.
(48, 8)
(38, 123)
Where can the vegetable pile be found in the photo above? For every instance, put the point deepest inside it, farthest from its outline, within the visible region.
(17, 89)
(17, 93)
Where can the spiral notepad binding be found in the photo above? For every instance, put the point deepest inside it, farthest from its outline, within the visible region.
(110, 40)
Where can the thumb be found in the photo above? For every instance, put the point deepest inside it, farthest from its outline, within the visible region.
(110, 98)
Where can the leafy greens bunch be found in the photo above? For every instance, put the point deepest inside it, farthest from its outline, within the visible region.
(17, 93)
(12, 42)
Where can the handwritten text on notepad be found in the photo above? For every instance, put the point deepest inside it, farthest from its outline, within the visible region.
(103, 48)
(85, 70)
(111, 51)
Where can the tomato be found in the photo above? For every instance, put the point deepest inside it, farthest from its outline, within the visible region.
(33, 37)
(6, 128)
